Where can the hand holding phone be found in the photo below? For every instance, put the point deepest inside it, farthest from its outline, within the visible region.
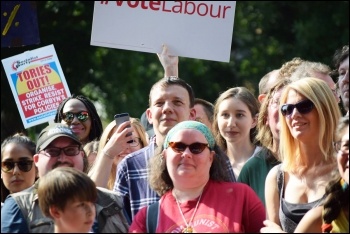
(121, 118)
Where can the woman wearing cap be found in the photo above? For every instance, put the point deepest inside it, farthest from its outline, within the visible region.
(195, 197)
(309, 115)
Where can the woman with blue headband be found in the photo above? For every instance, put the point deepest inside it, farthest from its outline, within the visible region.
(195, 193)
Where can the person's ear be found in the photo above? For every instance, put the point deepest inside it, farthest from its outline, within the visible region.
(255, 121)
(192, 114)
(261, 97)
(36, 158)
(211, 156)
(149, 115)
(55, 212)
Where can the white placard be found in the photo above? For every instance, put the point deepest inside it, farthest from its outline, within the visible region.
(37, 83)
(194, 29)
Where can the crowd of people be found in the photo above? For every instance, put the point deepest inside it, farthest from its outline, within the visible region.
(278, 162)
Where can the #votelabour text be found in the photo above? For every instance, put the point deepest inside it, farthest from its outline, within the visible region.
(179, 7)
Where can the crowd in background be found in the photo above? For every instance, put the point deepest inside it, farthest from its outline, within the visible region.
(273, 163)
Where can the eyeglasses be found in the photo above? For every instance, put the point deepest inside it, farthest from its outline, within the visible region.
(195, 148)
(23, 165)
(134, 142)
(69, 116)
(303, 107)
(69, 151)
(341, 146)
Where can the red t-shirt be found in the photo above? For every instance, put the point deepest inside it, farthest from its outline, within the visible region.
(224, 207)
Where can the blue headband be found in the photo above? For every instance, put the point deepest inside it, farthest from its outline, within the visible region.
(190, 124)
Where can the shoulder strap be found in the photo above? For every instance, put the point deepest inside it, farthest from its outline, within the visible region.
(152, 217)
(280, 180)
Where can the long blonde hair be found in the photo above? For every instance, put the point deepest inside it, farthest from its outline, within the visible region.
(328, 111)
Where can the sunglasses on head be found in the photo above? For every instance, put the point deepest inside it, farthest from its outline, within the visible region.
(82, 116)
(69, 151)
(303, 107)
(195, 148)
(23, 165)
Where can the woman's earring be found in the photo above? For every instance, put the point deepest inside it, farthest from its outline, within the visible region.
(343, 184)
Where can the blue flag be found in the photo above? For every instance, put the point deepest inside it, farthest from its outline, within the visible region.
(19, 24)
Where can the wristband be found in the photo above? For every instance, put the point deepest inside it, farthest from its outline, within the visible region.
(105, 153)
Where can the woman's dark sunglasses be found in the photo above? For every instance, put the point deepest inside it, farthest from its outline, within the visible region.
(69, 116)
(303, 107)
(24, 165)
(195, 148)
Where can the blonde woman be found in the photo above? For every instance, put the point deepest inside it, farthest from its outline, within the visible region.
(333, 216)
(113, 147)
(309, 116)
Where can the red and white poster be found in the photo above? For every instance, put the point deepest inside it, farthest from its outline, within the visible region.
(37, 83)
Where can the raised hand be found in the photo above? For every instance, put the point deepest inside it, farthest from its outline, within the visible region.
(170, 63)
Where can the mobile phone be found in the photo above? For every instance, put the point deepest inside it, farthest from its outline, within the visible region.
(121, 118)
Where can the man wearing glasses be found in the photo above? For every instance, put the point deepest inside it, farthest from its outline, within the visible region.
(58, 146)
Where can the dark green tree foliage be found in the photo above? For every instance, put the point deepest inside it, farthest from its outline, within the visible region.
(266, 34)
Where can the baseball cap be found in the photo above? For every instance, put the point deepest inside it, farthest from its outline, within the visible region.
(52, 132)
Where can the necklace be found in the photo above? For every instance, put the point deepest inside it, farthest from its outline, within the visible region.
(189, 228)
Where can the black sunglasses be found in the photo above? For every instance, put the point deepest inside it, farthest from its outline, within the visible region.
(69, 151)
(69, 116)
(303, 107)
(23, 165)
(195, 148)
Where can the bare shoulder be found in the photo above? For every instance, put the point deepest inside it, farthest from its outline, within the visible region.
(272, 175)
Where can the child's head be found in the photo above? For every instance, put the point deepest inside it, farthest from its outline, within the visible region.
(63, 185)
